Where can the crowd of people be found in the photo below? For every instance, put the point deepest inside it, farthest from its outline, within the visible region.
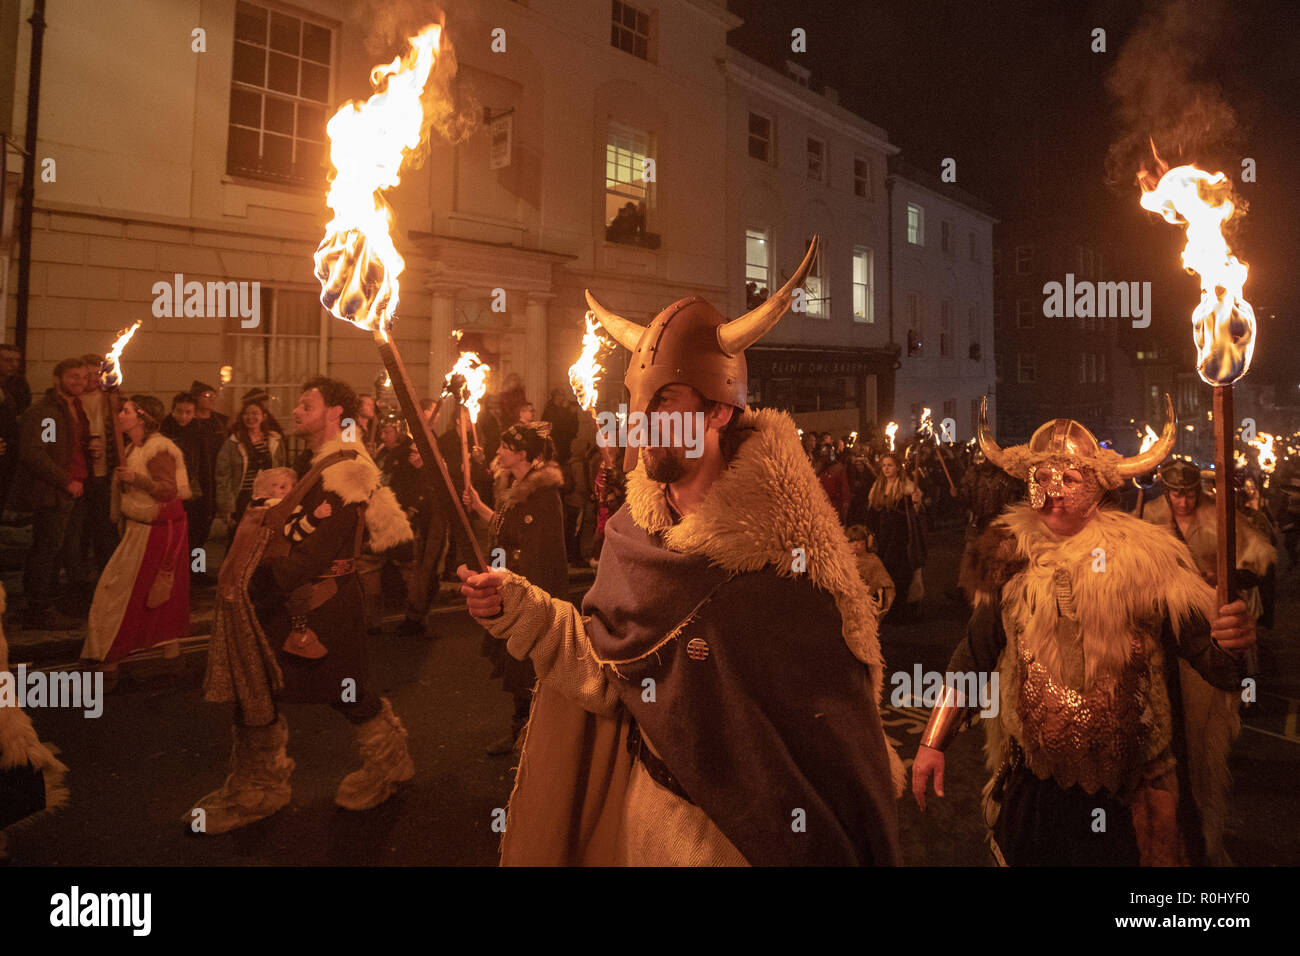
(125, 496)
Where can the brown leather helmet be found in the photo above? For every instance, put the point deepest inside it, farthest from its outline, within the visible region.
(1180, 476)
(692, 343)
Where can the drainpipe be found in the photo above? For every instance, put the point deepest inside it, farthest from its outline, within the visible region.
(27, 192)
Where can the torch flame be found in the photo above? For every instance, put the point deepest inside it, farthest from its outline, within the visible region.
(1150, 439)
(891, 430)
(110, 372)
(586, 373)
(1223, 324)
(474, 373)
(357, 264)
(1265, 455)
(926, 429)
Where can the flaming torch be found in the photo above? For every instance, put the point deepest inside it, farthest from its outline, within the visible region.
(468, 382)
(110, 380)
(1223, 324)
(585, 376)
(357, 264)
(891, 430)
(927, 431)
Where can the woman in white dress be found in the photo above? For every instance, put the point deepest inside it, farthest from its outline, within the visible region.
(143, 597)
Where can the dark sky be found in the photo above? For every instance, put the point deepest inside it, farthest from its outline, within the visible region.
(1014, 93)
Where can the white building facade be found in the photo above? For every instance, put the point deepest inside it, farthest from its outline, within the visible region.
(800, 165)
(943, 304)
(203, 154)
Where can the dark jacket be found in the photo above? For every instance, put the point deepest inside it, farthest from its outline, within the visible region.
(530, 529)
(42, 478)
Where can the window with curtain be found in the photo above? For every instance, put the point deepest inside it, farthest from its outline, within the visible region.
(280, 354)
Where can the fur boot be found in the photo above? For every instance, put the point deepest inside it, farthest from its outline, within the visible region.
(258, 784)
(385, 762)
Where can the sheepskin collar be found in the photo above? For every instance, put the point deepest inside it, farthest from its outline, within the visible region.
(1121, 572)
(357, 480)
(767, 509)
(1254, 551)
(542, 475)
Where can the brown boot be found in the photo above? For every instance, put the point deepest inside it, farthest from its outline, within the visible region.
(258, 784)
(385, 762)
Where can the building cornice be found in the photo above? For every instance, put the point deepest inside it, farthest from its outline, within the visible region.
(749, 73)
(992, 220)
(720, 15)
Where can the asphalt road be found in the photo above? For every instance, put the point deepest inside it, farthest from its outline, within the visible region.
(158, 746)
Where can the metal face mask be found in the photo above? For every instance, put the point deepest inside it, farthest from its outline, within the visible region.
(1080, 496)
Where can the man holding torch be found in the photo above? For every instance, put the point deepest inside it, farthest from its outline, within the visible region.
(305, 587)
(714, 702)
(1117, 670)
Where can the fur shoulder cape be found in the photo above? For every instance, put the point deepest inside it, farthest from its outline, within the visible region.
(1147, 573)
(19, 744)
(358, 480)
(543, 475)
(1254, 551)
(767, 510)
(156, 444)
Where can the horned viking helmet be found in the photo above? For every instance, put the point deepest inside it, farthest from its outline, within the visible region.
(691, 343)
(1064, 443)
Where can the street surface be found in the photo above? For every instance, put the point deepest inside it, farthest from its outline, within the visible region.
(159, 746)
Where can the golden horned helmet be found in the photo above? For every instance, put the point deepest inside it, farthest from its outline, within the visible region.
(1063, 441)
(691, 343)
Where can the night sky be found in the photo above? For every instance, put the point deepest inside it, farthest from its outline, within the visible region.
(1037, 121)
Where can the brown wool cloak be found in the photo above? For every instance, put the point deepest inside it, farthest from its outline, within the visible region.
(781, 714)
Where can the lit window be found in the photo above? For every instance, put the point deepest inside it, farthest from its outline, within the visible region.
(915, 225)
(627, 191)
(861, 178)
(758, 267)
(629, 30)
(816, 160)
(863, 280)
(760, 137)
(280, 87)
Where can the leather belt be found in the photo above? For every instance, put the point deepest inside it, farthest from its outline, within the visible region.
(656, 768)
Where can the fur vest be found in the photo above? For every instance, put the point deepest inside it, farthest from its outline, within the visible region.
(136, 503)
(1254, 552)
(19, 744)
(768, 510)
(543, 474)
(359, 480)
(1120, 578)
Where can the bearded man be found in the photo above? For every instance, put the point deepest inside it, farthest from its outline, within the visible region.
(1117, 676)
(1188, 513)
(715, 700)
